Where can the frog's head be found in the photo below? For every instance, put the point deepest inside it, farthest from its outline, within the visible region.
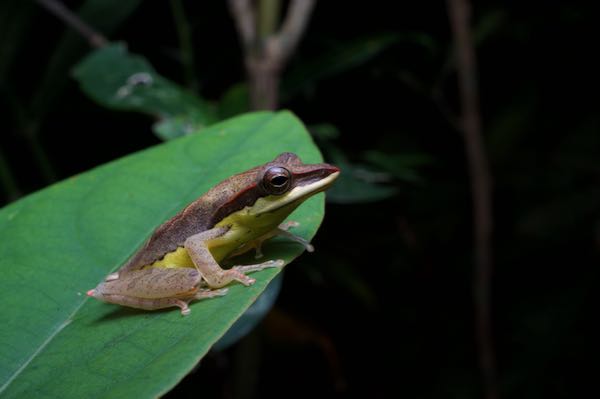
(287, 181)
(268, 193)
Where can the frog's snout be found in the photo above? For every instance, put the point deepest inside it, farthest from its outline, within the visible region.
(91, 292)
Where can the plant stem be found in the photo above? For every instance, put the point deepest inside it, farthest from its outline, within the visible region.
(186, 50)
(265, 55)
(68, 17)
(481, 188)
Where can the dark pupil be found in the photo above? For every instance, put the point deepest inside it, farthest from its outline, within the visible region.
(279, 181)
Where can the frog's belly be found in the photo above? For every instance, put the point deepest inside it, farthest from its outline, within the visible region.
(243, 228)
(177, 258)
(219, 248)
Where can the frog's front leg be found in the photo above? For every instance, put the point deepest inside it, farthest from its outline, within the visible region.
(281, 230)
(212, 273)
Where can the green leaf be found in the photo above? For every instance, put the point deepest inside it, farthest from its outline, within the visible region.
(236, 100)
(252, 316)
(116, 79)
(62, 241)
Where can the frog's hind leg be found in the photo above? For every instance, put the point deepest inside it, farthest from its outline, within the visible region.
(183, 305)
(199, 295)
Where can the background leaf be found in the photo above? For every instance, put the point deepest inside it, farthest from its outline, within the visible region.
(252, 316)
(105, 16)
(235, 100)
(342, 56)
(61, 241)
(359, 183)
(116, 79)
(402, 166)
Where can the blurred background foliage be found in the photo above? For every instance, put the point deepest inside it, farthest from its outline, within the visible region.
(384, 306)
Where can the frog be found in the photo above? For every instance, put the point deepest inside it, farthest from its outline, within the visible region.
(181, 260)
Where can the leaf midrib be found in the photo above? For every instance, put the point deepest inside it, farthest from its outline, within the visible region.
(42, 347)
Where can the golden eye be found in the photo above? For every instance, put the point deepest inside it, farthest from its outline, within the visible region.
(277, 180)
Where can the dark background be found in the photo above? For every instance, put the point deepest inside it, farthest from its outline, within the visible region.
(384, 307)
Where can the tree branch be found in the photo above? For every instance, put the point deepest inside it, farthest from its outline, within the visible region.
(293, 27)
(63, 13)
(481, 188)
(244, 18)
(266, 56)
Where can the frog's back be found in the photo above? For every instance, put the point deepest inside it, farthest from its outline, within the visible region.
(168, 237)
(199, 216)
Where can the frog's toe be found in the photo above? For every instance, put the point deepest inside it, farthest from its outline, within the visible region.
(185, 310)
(112, 276)
(289, 224)
(208, 293)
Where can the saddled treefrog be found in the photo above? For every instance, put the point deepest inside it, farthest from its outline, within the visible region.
(180, 261)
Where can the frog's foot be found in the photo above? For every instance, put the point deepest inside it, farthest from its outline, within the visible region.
(282, 230)
(200, 294)
(243, 269)
(185, 310)
(207, 293)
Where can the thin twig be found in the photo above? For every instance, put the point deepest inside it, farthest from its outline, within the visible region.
(244, 18)
(481, 187)
(67, 16)
(293, 26)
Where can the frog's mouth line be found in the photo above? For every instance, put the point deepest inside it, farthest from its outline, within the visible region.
(273, 203)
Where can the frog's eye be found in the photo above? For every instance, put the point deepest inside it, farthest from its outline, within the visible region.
(277, 180)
